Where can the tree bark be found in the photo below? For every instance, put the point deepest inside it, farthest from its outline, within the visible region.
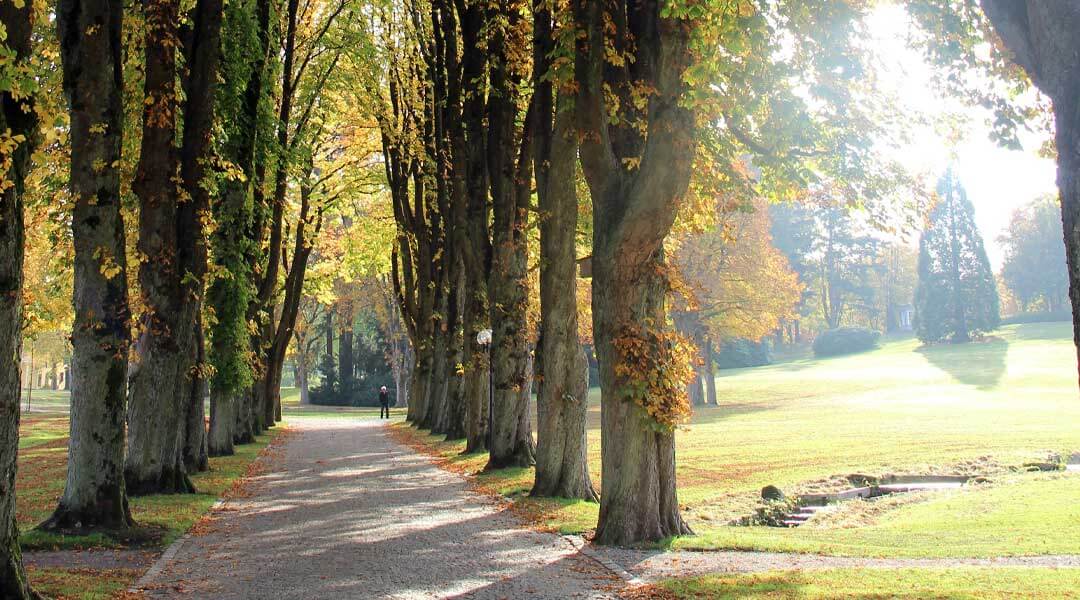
(203, 57)
(18, 24)
(230, 296)
(509, 176)
(562, 401)
(95, 494)
(156, 407)
(634, 209)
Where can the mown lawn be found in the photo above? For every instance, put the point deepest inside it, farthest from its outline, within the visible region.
(966, 582)
(977, 408)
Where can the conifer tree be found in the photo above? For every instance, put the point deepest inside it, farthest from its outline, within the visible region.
(957, 297)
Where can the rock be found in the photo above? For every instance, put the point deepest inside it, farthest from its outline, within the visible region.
(1042, 466)
(862, 480)
(772, 493)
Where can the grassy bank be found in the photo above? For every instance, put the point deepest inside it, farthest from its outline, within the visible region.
(968, 582)
(979, 408)
(40, 482)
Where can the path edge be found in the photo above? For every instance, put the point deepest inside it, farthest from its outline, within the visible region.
(586, 549)
(167, 556)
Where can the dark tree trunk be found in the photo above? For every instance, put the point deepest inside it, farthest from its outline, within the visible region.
(203, 57)
(509, 177)
(18, 24)
(290, 304)
(477, 375)
(453, 424)
(196, 456)
(345, 354)
(562, 400)
(156, 407)
(91, 52)
(634, 209)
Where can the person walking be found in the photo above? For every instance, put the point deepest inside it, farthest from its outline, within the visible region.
(384, 403)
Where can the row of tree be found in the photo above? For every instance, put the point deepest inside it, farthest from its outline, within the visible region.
(210, 136)
(496, 118)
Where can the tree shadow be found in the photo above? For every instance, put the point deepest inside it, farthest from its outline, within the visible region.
(978, 364)
(709, 413)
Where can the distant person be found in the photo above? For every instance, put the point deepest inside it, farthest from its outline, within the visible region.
(384, 403)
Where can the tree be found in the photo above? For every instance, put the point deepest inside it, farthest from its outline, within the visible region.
(95, 494)
(636, 185)
(1038, 37)
(242, 104)
(1034, 267)
(957, 294)
(164, 378)
(562, 401)
(509, 168)
(847, 259)
(736, 286)
(18, 122)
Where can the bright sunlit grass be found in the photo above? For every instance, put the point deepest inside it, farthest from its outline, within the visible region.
(899, 409)
(967, 582)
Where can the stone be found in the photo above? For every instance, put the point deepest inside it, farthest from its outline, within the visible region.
(772, 493)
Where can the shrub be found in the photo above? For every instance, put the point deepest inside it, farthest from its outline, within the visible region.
(845, 340)
(740, 353)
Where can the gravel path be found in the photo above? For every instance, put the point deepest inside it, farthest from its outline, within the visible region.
(349, 513)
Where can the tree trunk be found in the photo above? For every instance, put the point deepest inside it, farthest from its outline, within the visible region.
(639, 501)
(453, 424)
(1068, 147)
(402, 376)
(710, 373)
(230, 295)
(195, 448)
(156, 406)
(203, 57)
(302, 382)
(18, 24)
(696, 389)
(223, 419)
(634, 207)
(345, 357)
(477, 375)
(562, 401)
(91, 52)
(509, 177)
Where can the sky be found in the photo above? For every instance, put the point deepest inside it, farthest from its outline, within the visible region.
(997, 180)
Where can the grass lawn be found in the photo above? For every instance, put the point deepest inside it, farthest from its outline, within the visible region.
(964, 582)
(976, 408)
(40, 482)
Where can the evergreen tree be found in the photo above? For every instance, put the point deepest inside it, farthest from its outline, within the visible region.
(957, 296)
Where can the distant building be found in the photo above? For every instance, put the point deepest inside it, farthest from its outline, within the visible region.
(905, 316)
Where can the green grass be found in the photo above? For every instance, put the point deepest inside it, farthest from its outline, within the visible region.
(84, 584)
(967, 582)
(899, 409)
(40, 482)
(47, 401)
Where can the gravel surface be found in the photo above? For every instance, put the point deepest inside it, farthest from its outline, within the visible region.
(349, 513)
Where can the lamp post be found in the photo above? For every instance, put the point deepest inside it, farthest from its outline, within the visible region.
(483, 338)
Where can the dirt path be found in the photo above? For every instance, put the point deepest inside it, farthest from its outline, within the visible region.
(349, 513)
